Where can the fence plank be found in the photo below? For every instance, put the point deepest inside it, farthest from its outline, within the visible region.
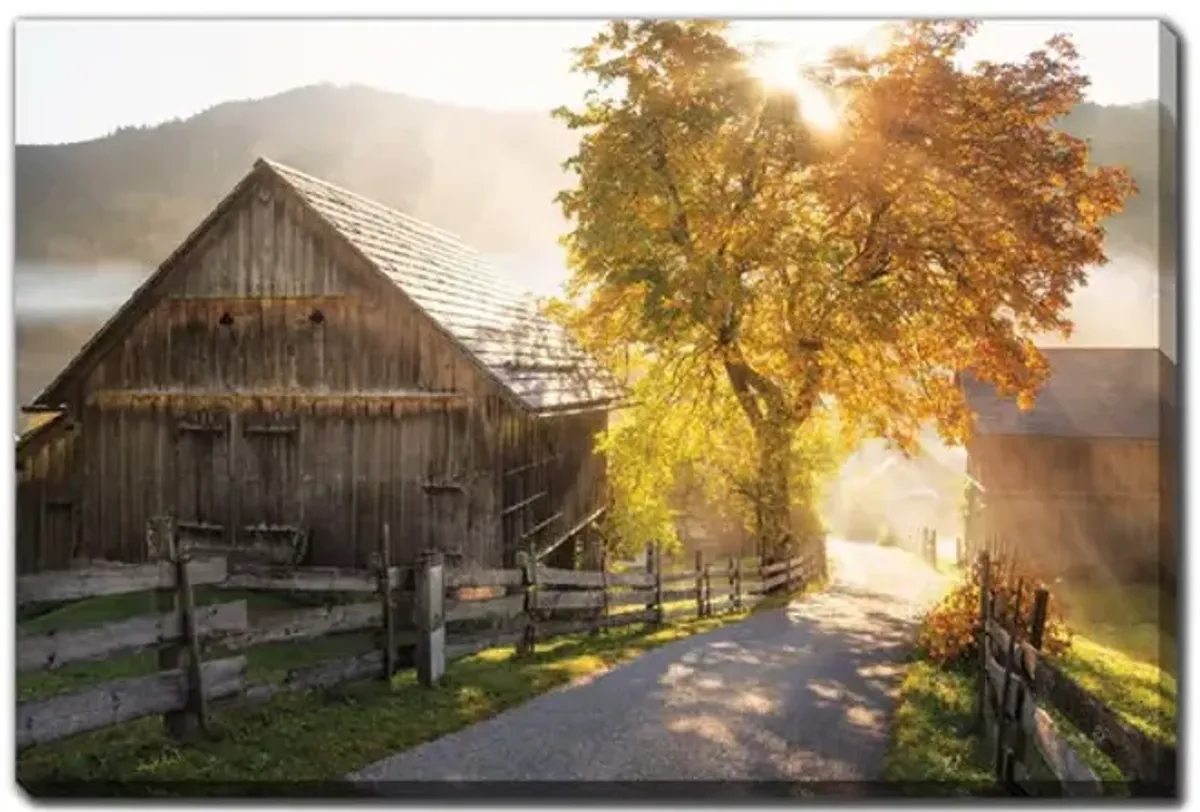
(308, 579)
(300, 624)
(640, 597)
(631, 579)
(466, 646)
(121, 701)
(113, 579)
(1068, 766)
(548, 576)
(458, 578)
(58, 648)
(507, 607)
(548, 601)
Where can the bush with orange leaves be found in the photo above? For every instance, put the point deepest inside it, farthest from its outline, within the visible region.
(949, 631)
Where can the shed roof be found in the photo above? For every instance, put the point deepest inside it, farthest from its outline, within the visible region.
(486, 312)
(1090, 392)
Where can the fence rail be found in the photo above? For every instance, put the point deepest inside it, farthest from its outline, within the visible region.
(1019, 684)
(431, 611)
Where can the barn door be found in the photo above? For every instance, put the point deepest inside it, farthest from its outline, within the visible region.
(268, 484)
(202, 477)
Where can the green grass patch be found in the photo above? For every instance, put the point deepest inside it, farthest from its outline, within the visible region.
(322, 735)
(929, 749)
(1140, 692)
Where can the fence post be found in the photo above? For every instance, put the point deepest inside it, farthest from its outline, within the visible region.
(708, 589)
(787, 576)
(528, 566)
(195, 708)
(699, 583)
(658, 584)
(600, 625)
(735, 568)
(1037, 628)
(161, 547)
(431, 628)
(1003, 752)
(984, 610)
(386, 596)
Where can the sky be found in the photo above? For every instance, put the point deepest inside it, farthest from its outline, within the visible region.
(81, 79)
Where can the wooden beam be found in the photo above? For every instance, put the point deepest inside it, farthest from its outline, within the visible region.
(540, 526)
(507, 608)
(523, 503)
(122, 700)
(550, 576)
(58, 648)
(308, 579)
(458, 578)
(97, 580)
(303, 624)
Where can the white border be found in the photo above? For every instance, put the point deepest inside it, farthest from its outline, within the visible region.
(1182, 16)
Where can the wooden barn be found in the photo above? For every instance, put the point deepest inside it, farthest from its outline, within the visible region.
(1084, 484)
(305, 368)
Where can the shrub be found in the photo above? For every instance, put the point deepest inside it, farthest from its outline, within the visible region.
(948, 634)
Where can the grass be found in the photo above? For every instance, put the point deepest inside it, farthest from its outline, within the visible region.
(320, 736)
(1124, 653)
(929, 752)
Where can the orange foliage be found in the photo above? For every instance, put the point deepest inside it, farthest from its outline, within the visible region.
(949, 632)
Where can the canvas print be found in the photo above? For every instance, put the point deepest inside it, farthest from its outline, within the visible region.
(640, 409)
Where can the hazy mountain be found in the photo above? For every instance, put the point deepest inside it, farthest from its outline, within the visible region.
(489, 176)
(134, 195)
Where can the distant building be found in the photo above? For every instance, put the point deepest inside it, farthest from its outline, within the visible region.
(312, 365)
(1085, 483)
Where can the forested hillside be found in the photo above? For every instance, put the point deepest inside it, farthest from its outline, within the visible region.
(489, 176)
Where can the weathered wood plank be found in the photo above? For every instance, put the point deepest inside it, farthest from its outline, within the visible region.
(308, 579)
(672, 577)
(507, 608)
(669, 595)
(121, 701)
(58, 648)
(634, 579)
(458, 578)
(639, 597)
(113, 579)
(557, 577)
(775, 581)
(549, 601)
(465, 646)
(301, 624)
(720, 591)
(771, 569)
(1068, 766)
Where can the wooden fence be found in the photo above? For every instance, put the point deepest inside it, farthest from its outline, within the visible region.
(430, 613)
(1017, 683)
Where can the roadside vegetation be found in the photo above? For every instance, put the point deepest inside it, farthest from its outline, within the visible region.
(932, 740)
(307, 742)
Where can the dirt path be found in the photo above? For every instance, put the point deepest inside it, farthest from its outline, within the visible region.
(797, 694)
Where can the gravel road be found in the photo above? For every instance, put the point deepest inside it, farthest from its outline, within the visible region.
(799, 694)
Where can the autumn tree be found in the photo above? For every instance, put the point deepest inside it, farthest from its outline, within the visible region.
(939, 227)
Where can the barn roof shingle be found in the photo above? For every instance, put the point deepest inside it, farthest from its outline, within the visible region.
(483, 309)
(1090, 392)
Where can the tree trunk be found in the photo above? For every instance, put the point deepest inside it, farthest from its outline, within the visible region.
(774, 511)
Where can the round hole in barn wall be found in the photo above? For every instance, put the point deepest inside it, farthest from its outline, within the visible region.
(316, 317)
(225, 320)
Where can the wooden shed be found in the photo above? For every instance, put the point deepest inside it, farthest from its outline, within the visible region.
(1083, 484)
(311, 365)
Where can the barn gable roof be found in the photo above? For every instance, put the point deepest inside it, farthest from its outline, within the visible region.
(1090, 392)
(482, 310)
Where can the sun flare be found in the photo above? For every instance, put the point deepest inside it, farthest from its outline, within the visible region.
(782, 70)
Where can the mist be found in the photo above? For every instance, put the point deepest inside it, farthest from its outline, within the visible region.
(878, 490)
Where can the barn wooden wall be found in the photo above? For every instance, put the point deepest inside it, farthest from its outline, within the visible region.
(1077, 507)
(272, 386)
(47, 499)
